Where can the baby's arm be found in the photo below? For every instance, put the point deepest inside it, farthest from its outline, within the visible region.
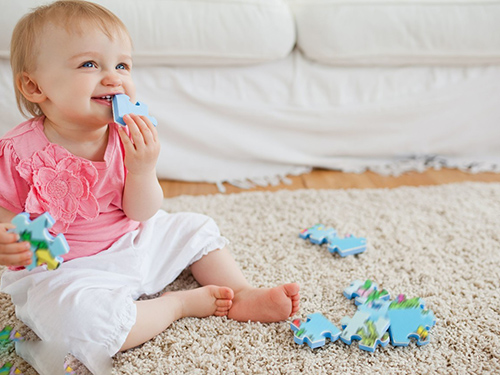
(12, 253)
(142, 195)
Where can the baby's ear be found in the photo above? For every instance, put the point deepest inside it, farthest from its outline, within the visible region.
(30, 88)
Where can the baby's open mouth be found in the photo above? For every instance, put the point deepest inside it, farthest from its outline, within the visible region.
(109, 98)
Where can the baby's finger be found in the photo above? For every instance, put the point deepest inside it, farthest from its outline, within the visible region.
(133, 127)
(16, 254)
(6, 237)
(126, 141)
(18, 260)
(142, 122)
(152, 128)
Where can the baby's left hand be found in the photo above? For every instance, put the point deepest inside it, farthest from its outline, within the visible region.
(142, 148)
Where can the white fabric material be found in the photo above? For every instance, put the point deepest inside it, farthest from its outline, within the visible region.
(86, 305)
(249, 122)
(194, 32)
(257, 123)
(390, 32)
(262, 122)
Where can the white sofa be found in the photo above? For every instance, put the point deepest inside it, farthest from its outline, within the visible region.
(253, 90)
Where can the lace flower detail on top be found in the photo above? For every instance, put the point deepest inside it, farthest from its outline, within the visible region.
(60, 183)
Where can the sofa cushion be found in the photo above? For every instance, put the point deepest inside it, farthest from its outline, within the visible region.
(399, 32)
(190, 32)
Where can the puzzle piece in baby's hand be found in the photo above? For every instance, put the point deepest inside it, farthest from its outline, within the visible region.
(123, 106)
(314, 330)
(348, 245)
(370, 332)
(318, 234)
(45, 248)
(409, 318)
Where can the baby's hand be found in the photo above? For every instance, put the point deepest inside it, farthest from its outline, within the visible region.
(13, 253)
(142, 147)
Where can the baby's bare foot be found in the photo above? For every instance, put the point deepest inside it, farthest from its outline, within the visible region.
(202, 302)
(265, 304)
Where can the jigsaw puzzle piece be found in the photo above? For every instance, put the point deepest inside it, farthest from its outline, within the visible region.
(374, 298)
(358, 288)
(123, 106)
(44, 247)
(5, 333)
(349, 245)
(409, 319)
(9, 369)
(377, 308)
(365, 291)
(68, 370)
(370, 332)
(314, 330)
(22, 222)
(10, 334)
(318, 234)
(44, 257)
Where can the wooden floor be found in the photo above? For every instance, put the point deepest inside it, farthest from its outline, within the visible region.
(325, 179)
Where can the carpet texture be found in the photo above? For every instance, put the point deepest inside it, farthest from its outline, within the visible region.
(440, 243)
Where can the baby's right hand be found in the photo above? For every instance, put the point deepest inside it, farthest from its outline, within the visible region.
(13, 253)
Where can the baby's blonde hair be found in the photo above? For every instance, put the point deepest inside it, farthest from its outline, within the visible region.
(70, 14)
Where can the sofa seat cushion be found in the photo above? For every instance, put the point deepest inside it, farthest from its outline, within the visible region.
(399, 32)
(192, 32)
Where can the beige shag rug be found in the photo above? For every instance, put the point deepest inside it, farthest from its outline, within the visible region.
(440, 243)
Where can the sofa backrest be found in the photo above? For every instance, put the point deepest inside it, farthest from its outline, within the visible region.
(336, 32)
(399, 32)
(190, 32)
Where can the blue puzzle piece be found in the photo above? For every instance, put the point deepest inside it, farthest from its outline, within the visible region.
(377, 308)
(314, 330)
(348, 245)
(10, 334)
(318, 234)
(370, 332)
(45, 248)
(5, 333)
(359, 288)
(9, 369)
(409, 319)
(363, 291)
(405, 318)
(68, 370)
(122, 106)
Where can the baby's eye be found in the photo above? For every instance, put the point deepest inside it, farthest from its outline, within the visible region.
(88, 64)
(122, 66)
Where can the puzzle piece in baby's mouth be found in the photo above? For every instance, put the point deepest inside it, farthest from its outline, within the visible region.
(123, 106)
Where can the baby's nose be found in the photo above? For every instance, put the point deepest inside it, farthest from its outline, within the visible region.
(111, 79)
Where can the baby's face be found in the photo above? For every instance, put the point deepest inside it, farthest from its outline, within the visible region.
(80, 72)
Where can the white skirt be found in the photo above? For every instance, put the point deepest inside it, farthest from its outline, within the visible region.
(87, 304)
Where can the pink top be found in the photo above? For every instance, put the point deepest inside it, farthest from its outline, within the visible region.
(84, 197)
